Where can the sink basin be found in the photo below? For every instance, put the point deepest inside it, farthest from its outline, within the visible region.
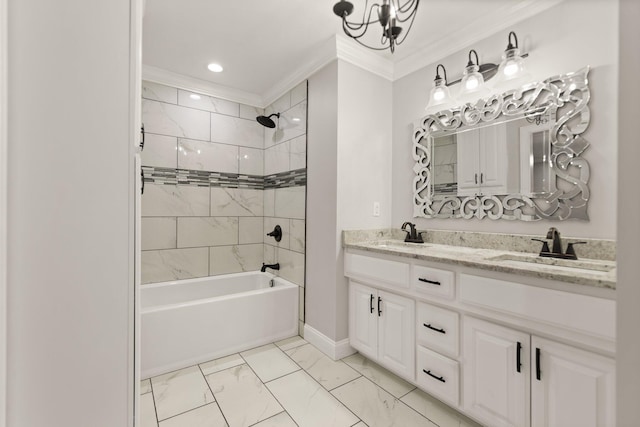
(395, 244)
(596, 267)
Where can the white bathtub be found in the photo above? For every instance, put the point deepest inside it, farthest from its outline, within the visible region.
(191, 321)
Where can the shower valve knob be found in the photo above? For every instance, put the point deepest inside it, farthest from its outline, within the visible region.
(276, 233)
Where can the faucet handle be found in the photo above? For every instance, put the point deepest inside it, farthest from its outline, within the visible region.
(571, 250)
(545, 245)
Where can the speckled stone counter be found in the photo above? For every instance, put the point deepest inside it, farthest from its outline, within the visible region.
(499, 252)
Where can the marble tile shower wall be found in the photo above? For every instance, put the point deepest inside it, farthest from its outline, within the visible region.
(216, 182)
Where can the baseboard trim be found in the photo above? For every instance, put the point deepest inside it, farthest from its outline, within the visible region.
(335, 350)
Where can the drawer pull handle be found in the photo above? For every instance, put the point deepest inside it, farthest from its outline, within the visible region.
(442, 331)
(379, 307)
(441, 379)
(538, 364)
(422, 279)
(518, 361)
(371, 303)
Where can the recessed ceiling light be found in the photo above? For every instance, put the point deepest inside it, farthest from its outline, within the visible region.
(216, 68)
(194, 96)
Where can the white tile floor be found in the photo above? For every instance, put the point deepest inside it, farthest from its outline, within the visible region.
(286, 384)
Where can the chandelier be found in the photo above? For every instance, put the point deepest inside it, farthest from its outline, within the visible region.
(390, 14)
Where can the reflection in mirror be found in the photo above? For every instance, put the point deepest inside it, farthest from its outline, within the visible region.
(513, 156)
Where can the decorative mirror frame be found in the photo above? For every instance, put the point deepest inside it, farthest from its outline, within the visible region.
(566, 97)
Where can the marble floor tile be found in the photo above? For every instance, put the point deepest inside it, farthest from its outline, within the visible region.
(204, 416)
(289, 343)
(329, 373)
(242, 397)
(147, 411)
(221, 364)
(281, 420)
(269, 362)
(436, 411)
(308, 403)
(376, 407)
(180, 391)
(376, 373)
(145, 386)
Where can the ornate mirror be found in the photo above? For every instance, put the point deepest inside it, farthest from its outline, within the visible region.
(513, 156)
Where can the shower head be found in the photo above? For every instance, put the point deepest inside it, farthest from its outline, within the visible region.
(266, 121)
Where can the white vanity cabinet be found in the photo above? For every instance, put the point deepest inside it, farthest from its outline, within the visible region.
(510, 352)
(483, 162)
(514, 379)
(381, 328)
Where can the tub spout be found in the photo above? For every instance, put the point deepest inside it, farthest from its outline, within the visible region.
(275, 266)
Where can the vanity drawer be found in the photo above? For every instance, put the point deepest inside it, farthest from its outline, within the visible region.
(437, 328)
(438, 375)
(433, 281)
(376, 269)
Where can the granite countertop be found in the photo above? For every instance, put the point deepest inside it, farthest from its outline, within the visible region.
(589, 272)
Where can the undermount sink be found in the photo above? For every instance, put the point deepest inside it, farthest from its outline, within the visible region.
(394, 244)
(596, 267)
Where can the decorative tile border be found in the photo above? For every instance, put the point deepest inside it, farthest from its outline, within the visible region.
(294, 178)
(167, 176)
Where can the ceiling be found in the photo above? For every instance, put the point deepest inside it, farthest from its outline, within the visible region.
(267, 44)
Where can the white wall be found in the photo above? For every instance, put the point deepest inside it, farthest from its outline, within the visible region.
(322, 143)
(349, 168)
(70, 274)
(560, 40)
(364, 163)
(628, 291)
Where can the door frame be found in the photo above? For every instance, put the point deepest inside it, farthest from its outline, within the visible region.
(3, 209)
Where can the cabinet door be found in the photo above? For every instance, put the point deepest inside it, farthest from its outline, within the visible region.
(570, 387)
(363, 319)
(493, 160)
(496, 389)
(396, 334)
(468, 162)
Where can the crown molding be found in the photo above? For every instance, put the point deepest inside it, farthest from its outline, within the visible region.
(350, 51)
(322, 56)
(158, 75)
(466, 36)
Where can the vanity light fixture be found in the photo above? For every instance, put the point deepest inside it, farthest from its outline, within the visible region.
(389, 14)
(439, 95)
(472, 80)
(194, 96)
(512, 65)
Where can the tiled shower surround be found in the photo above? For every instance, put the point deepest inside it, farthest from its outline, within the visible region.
(216, 182)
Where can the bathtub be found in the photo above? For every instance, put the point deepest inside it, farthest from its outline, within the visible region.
(191, 321)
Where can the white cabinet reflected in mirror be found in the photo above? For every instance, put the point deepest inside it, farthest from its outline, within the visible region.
(512, 156)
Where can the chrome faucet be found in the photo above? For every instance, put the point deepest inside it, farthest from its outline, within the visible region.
(412, 235)
(275, 266)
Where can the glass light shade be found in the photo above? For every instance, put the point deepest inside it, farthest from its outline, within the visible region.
(439, 96)
(472, 83)
(512, 72)
(512, 65)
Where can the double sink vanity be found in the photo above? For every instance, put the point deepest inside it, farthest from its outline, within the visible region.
(503, 335)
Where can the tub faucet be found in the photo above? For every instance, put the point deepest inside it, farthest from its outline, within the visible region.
(412, 235)
(275, 266)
